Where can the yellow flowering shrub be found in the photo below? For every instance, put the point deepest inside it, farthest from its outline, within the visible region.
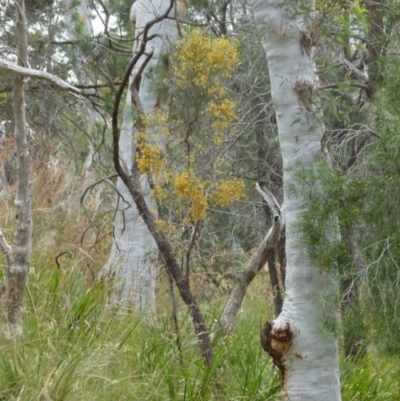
(201, 57)
(202, 62)
(204, 115)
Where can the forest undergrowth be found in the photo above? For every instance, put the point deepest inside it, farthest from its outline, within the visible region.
(74, 347)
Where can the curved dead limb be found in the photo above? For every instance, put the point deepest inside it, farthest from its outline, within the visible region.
(256, 262)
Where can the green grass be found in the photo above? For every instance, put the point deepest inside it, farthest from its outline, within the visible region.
(367, 380)
(73, 348)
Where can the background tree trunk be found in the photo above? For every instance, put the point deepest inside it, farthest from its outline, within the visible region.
(80, 28)
(18, 255)
(132, 261)
(299, 340)
(132, 180)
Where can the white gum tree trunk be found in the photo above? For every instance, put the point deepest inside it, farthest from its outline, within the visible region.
(133, 257)
(299, 340)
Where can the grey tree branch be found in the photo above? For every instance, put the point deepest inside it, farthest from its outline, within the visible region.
(353, 69)
(8, 66)
(255, 263)
(270, 199)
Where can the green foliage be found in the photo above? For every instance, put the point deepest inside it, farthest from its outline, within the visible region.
(339, 19)
(73, 347)
(351, 221)
(331, 197)
(120, 9)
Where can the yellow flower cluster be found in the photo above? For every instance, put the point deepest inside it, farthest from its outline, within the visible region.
(149, 158)
(159, 193)
(222, 114)
(199, 57)
(161, 224)
(165, 227)
(190, 189)
(157, 123)
(226, 191)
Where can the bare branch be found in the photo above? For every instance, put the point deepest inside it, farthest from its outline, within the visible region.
(61, 254)
(271, 201)
(354, 70)
(8, 66)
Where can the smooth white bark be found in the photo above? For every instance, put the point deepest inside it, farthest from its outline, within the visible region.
(133, 254)
(298, 340)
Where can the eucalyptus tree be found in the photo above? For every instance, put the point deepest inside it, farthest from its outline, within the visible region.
(133, 260)
(299, 340)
